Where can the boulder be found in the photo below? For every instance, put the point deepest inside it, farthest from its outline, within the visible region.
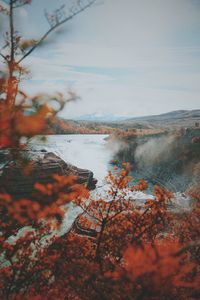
(44, 165)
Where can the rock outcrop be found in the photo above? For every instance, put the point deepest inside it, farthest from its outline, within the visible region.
(79, 229)
(44, 165)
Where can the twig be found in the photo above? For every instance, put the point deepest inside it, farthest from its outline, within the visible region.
(53, 28)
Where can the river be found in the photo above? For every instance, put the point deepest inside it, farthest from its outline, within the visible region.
(94, 153)
(88, 151)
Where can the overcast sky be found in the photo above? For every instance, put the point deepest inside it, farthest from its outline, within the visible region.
(122, 57)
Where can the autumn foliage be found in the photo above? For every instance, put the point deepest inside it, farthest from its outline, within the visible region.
(117, 247)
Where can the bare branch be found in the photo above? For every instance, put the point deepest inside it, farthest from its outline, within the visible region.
(90, 2)
(4, 57)
(12, 50)
(2, 48)
(21, 3)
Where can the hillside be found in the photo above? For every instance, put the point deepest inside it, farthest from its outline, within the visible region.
(175, 118)
(170, 120)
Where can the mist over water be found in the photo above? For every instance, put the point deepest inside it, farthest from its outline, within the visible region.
(154, 150)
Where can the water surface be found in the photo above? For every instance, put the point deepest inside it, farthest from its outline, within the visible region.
(88, 151)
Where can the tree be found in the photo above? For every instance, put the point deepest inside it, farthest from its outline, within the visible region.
(13, 52)
(15, 49)
(117, 248)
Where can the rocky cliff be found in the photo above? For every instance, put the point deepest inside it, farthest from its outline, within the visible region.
(168, 159)
(44, 165)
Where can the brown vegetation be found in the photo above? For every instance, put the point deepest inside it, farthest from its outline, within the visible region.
(144, 252)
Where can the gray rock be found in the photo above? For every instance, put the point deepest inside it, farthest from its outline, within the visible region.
(14, 182)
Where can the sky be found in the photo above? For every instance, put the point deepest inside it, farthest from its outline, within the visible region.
(122, 57)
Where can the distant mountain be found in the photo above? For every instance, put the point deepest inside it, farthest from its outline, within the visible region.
(178, 117)
(100, 118)
(94, 123)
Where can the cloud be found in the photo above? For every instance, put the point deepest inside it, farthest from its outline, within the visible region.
(164, 82)
(133, 22)
(123, 57)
